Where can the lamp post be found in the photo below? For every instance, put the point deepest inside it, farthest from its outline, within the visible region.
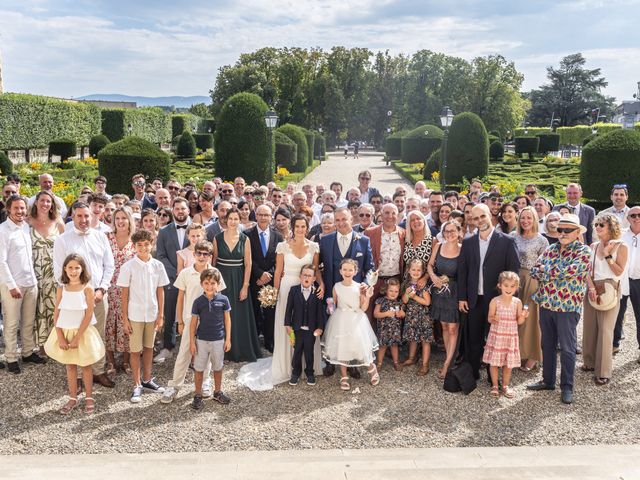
(446, 119)
(271, 120)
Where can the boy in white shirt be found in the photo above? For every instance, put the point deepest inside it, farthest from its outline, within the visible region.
(189, 288)
(142, 279)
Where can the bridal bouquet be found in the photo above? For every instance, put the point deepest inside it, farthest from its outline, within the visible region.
(268, 296)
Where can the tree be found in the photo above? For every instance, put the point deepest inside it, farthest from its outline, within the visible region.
(200, 110)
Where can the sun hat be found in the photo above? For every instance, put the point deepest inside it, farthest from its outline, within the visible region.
(571, 220)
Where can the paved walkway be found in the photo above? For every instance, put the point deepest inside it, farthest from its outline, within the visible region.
(337, 168)
(579, 462)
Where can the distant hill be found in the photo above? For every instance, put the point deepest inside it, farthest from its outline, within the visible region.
(178, 102)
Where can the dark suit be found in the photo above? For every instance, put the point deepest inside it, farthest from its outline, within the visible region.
(212, 230)
(259, 264)
(330, 258)
(301, 313)
(501, 256)
(166, 247)
(586, 215)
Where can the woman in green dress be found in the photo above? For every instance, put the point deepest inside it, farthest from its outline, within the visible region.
(232, 256)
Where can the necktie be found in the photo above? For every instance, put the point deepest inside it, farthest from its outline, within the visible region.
(344, 244)
(263, 243)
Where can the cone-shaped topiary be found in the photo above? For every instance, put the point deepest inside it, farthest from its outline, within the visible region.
(467, 149)
(310, 138)
(119, 161)
(609, 159)
(496, 150)
(186, 145)
(242, 142)
(286, 150)
(433, 164)
(6, 165)
(204, 141)
(296, 134)
(97, 143)
(418, 145)
(63, 147)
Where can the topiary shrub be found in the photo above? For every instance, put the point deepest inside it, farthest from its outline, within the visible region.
(119, 161)
(286, 150)
(420, 143)
(97, 143)
(393, 146)
(63, 147)
(493, 138)
(182, 123)
(496, 150)
(549, 142)
(319, 146)
(150, 123)
(495, 133)
(609, 159)
(588, 139)
(6, 165)
(467, 149)
(310, 138)
(433, 164)
(528, 145)
(204, 141)
(175, 142)
(186, 145)
(296, 134)
(242, 140)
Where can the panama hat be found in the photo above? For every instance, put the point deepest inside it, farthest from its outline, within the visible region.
(571, 220)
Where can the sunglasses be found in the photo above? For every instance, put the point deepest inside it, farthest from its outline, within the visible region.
(164, 215)
(497, 200)
(139, 184)
(365, 178)
(566, 230)
(226, 191)
(599, 225)
(173, 188)
(634, 215)
(362, 215)
(203, 254)
(620, 185)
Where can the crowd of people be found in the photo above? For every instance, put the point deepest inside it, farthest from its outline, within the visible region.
(115, 283)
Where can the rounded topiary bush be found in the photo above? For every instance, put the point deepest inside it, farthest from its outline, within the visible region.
(433, 164)
(393, 146)
(296, 134)
(609, 159)
(286, 150)
(242, 142)
(97, 143)
(467, 149)
(119, 161)
(588, 139)
(6, 165)
(496, 150)
(204, 141)
(495, 133)
(319, 146)
(549, 142)
(174, 142)
(526, 144)
(420, 143)
(186, 145)
(310, 138)
(63, 147)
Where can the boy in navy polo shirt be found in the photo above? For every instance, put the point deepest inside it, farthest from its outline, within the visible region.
(210, 335)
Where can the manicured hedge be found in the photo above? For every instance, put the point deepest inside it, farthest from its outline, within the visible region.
(186, 145)
(286, 150)
(310, 138)
(242, 140)
(204, 141)
(528, 145)
(150, 123)
(577, 134)
(6, 165)
(549, 142)
(496, 150)
(63, 147)
(119, 161)
(393, 146)
(319, 146)
(97, 143)
(609, 159)
(32, 121)
(467, 149)
(433, 164)
(296, 134)
(420, 143)
(529, 131)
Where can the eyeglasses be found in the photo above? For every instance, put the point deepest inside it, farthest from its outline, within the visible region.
(565, 230)
(362, 215)
(365, 178)
(599, 225)
(634, 215)
(203, 254)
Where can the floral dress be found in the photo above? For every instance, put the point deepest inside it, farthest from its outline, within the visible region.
(418, 326)
(47, 286)
(389, 328)
(115, 338)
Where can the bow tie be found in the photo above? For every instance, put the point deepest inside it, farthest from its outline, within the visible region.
(182, 226)
(306, 289)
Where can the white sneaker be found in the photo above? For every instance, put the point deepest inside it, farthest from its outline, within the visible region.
(162, 356)
(136, 397)
(207, 389)
(169, 395)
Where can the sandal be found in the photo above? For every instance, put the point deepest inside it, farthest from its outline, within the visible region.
(424, 369)
(344, 384)
(126, 368)
(375, 376)
(508, 392)
(89, 407)
(600, 381)
(409, 361)
(585, 368)
(495, 392)
(442, 373)
(397, 366)
(111, 369)
(379, 365)
(67, 407)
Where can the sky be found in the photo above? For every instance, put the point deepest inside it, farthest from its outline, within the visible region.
(70, 48)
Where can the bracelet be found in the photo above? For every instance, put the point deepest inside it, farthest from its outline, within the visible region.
(607, 257)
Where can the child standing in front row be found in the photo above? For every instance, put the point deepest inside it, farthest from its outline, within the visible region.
(418, 326)
(75, 341)
(389, 313)
(210, 333)
(502, 349)
(349, 340)
(142, 279)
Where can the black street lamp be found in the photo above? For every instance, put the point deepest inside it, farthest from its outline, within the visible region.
(446, 119)
(271, 120)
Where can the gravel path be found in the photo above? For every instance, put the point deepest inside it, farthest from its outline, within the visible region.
(403, 411)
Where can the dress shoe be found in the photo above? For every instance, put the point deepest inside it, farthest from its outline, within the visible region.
(567, 397)
(354, 373)
(103, 380)
(329, 370)
(14, 367)
(33, 358)
(540, 386)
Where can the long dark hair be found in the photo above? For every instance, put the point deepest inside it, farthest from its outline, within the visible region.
(85, 276)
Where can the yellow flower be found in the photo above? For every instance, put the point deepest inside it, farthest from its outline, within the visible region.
(283, 171)
(435, 176)
(35, 166)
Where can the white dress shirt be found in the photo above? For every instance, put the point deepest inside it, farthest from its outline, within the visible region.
(94, 249)
(267, 235)
(484, 246)
(182, 232)
(16, 257)
(143, 280)
(633, 263)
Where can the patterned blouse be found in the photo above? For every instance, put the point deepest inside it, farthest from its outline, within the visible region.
(529, 249)
(421, 251)
(563, 277)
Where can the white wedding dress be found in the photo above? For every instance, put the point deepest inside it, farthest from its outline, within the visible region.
(270, 371)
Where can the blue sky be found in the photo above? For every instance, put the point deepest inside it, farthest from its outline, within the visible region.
(153, 48)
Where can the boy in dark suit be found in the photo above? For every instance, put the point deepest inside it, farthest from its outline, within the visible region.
(304, 315)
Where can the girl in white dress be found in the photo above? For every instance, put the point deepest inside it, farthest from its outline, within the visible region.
(348, 339)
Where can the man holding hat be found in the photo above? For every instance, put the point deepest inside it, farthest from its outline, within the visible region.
(562, 272)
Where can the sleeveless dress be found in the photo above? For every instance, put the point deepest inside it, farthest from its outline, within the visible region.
(114, 336)
(90, 347)
(245, 345)
(502, 348)
(349, 339)
(270, 371)
(444, 301)
(43, 268)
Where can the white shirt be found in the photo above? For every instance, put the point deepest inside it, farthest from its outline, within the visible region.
(484, 246)
(364, 196)
(576, 208)
(633, 263)
(182, 232)
(344, 241)
(16, 257)
(306, 292)
(342, 203)
(62, 208)
(189, 282)
(267, 236)
(93, 247)
(143, 280)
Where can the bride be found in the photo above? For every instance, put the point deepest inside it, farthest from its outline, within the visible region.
(292, 255)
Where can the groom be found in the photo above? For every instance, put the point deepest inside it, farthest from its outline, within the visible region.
(335, 247)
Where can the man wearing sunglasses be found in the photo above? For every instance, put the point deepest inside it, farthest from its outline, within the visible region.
(138, 183)
(562, 272)
(585, 213)
(619, 197)
(364, 217)
(495, 203)
(364, 179)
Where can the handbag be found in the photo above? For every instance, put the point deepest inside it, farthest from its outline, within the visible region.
(607, 290)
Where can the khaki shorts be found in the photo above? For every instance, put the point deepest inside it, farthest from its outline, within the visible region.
(143, 335)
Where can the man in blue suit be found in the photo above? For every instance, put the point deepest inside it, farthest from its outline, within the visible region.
(335, 247)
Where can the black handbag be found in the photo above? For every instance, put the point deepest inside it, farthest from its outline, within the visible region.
(460, 379)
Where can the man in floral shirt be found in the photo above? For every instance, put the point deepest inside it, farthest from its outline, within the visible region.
(562, 272)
